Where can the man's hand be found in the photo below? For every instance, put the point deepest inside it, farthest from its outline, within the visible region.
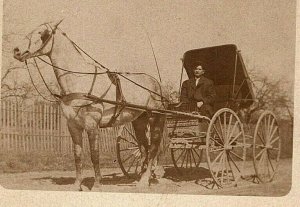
(199, 104)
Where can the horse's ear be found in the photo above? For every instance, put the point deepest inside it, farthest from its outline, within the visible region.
(56, 24)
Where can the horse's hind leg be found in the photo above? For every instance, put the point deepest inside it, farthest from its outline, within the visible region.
(156, 131)
(140, 126)
(76, 134)
(94, 147)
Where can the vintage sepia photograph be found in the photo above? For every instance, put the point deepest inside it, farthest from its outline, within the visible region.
(190, 97)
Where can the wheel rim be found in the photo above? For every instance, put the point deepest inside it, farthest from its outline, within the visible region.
(266, 147)
(129, 153)
(225, 147)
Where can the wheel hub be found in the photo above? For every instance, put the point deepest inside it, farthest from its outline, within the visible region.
(228, 147)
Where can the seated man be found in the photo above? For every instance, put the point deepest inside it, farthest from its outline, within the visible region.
(199, 92)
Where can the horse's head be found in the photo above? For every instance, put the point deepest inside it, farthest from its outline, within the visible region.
(36, 43)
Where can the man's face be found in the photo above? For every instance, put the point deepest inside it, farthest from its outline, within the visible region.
(198, 71)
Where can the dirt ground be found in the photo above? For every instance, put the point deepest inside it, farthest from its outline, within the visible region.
(168, 182)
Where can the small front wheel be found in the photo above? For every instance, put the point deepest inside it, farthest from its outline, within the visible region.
(129, 152)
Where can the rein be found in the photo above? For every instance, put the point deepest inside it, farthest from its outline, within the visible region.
(32, 82)
(122, 74)
(98, 66)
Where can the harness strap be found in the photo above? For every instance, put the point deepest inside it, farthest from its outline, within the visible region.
(93, 83)
(119, 98)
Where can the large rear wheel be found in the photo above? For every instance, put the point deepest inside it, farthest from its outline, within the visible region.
(266, 147)
(225, 147)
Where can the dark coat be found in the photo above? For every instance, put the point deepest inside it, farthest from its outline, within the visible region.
(204, 91)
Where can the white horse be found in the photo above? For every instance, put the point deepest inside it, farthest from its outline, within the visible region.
(70, 69)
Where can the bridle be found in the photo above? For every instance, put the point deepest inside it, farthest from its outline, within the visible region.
(45, 42)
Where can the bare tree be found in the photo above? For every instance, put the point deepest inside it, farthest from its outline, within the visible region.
(15, 81)
(270, 94)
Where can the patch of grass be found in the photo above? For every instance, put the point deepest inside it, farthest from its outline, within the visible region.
(13, 162)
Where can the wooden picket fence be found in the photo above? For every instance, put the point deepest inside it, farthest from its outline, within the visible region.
(42, 127)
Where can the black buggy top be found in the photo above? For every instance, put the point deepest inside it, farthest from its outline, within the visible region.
(225, 67)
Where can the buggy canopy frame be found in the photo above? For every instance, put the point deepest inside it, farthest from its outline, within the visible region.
(225, 66)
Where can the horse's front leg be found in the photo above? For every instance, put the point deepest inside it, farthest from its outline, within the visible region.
(76, 134)
(94, 147)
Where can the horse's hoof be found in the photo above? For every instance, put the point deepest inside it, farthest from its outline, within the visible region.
(97, 184)
(143, 184)
(84, 188)
(77, 188)
(153, 175)
(154, 181)
(77, 185)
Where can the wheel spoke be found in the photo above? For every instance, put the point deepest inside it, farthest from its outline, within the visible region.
(265, 127)
(130, 133)
(200, 157)
(129, 148)
(229, 128)
(261, 138)
(271, 153)
(187, 158)
(221, 127)
(123, 161)
(215, 160)
(233, 164)
(183, 159)
(196, 153)
(268, 126)
(271, 126)
(227, 165)
(273, 132)
(216, 150)
(218, 168)
(136, 166)
(260, 153)
(232, 130)
(179, 156)
(274, 140)
(235, 138)
(131, 164)
(216, 141)
(261, 159)
(196, 164)
(191, 161)
(241, 158)
(225, 126)
(271, 164)
(128, 141)
(215, 127)
(223, 162)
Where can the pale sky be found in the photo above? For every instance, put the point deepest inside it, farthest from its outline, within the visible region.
(114, 32)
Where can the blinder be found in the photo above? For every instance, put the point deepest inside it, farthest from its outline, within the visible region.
(45, 36)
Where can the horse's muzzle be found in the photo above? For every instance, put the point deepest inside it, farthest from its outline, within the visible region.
(18, 55)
